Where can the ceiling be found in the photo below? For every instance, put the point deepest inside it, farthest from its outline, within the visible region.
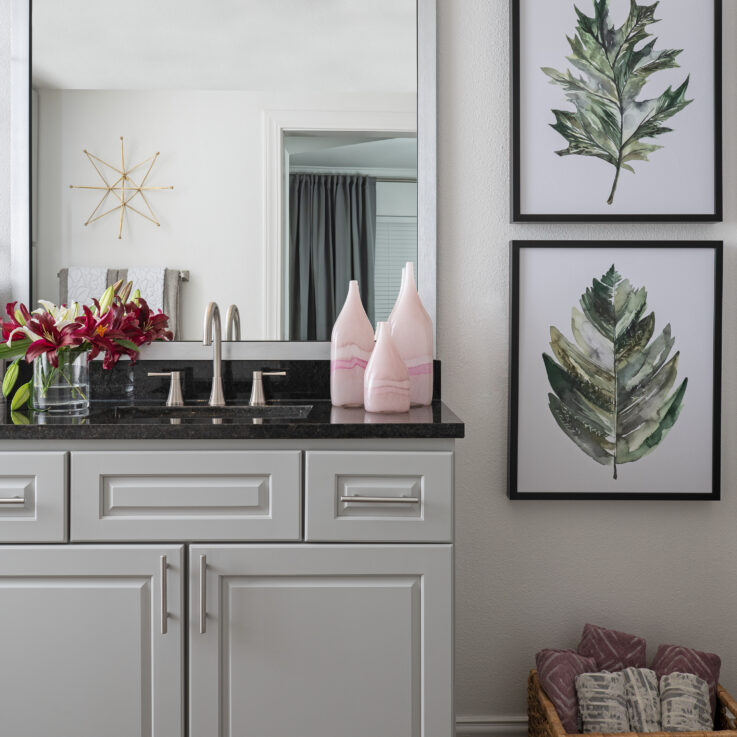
(353, 151)
(314, 45)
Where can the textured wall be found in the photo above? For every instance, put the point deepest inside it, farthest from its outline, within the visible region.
(529, 574)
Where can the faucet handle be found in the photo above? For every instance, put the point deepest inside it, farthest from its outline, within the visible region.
(175, 398)
(257, 387)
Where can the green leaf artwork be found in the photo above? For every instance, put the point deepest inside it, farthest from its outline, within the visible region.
(612, 386)
(609, 122)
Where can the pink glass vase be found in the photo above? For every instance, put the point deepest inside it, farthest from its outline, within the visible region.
(412, 332)
(351, 343)
(386, 384)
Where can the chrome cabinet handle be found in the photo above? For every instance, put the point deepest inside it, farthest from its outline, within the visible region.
(164, 604)
(380, 499)
(13, 500)
(203, 593)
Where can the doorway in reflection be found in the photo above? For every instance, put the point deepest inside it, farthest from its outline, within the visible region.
(351, 214)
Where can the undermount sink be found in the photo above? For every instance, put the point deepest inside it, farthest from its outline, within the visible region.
(194, 411)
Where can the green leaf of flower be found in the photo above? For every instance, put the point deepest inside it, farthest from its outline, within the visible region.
(609, 122)
(613, 389)
(127, 344)
(17, 348)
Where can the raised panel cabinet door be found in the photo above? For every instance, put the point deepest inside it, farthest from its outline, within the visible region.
(33, 497)
(321, 641)
(180, 496)
(91, 641)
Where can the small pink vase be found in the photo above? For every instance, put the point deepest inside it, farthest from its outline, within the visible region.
(351, 343)
(412, 332)
(386, 384)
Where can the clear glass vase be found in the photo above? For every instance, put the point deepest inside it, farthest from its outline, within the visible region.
(64, 389)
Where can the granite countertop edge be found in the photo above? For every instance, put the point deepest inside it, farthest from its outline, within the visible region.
(445, 424)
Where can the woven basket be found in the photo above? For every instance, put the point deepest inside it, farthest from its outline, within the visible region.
(545, 722)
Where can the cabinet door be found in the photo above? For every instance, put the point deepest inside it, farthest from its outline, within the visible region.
(91, 641)
(321, 641)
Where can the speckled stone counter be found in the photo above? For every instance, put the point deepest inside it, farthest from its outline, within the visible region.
(110, 420)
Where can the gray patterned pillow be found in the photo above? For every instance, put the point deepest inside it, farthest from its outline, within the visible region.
(601, 702)
(643, 699)
(684, 703)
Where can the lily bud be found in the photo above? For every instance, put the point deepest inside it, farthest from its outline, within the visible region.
(11, 376)
(21, 396)
(18, 418)
(116, 287)
(106, 300)
(126, 292)
(136, 297)
(19, 317)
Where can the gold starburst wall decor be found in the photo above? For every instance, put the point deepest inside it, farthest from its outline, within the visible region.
(124, 188)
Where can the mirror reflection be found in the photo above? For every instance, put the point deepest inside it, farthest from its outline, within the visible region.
(286, 128)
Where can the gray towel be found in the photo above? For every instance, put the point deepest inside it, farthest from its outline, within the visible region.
(171, 291)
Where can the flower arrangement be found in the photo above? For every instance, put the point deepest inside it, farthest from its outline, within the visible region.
(117, 324)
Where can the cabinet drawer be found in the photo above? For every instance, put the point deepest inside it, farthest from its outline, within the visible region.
(361, 497)
(33, 500)
(174, 495)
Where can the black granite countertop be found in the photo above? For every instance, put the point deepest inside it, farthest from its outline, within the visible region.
(313, 419)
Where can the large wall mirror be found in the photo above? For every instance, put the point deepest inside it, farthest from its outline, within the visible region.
(298, 136)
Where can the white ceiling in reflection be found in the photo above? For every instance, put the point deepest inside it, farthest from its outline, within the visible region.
(315, 45)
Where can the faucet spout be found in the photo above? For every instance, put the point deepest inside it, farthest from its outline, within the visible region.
(212, 324)
(233, 324)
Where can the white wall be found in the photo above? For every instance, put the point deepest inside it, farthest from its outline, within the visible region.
(4, 153)
(529, 574)
(212, 151)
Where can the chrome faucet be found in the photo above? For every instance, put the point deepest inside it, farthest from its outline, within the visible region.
(233, 323)
(212, 318)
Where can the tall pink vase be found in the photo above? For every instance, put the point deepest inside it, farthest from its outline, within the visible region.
(386, 384)
(351, 343)
(412, 332)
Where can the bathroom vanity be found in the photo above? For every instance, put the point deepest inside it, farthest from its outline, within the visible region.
(242, 575)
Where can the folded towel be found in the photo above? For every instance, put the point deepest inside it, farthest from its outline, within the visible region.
(84, 283)
(149, 280)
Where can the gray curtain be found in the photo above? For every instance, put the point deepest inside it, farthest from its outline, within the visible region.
(332, 233)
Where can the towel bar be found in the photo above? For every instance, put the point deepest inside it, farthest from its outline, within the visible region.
(183, 275)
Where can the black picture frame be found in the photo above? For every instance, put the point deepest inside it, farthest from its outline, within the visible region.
(518, 216)
(516, 249)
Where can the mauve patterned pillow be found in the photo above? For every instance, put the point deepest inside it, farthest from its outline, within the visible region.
(557, 671)
(612, 650)
(677, 659)
(684, 702)
(602, 703)
(643, 699)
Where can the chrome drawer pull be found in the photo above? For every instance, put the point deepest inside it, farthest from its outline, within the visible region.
(13, 500)
(380, 499)
(203, 593)
(164, 605)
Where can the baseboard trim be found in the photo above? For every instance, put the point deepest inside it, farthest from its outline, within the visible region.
(491, 726)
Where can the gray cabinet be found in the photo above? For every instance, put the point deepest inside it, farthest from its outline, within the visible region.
(318, 580)
(91, 641)
(320, 641)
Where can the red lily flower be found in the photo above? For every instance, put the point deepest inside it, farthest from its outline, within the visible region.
(53, 338)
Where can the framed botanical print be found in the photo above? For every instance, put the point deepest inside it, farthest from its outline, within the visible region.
(615, 370)
(616, 110)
